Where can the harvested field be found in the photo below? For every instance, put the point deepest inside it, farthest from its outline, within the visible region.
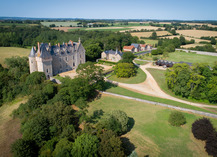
(65, 29)
(148, 34)
(191, 45)
(196, 33)
(146, 27)
(64, 24)
(187, 38)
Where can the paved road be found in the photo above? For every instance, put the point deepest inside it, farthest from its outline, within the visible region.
(165, 105)
(200, 52)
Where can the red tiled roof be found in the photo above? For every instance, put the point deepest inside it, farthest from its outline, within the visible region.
(128, 47)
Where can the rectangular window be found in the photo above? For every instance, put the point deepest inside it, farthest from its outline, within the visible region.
(47, 70)
(66, 58)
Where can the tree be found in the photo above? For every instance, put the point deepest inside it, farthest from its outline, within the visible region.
(213, 41)
(116, 121)
(93, 52)
(153, 35)
(85, 145)
(173, 31)
(63, 148)
(202, 129)
(125, 70)
(24, 148)
(93, 74)
(127, 57)
(182, 40)
(211, 145)
(48, 148)
(177, 118)
(212, 90)
(110, 145)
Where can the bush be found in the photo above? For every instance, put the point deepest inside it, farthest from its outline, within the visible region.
(22, 148)
(211, 145)
(177, 118)
(202, 129)
(125, 70)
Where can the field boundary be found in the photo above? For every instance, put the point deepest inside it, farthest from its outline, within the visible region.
(164, 105)
(199, 52)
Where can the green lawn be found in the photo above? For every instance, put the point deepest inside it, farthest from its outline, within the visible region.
(151, 134)
(191, 57)
(159, 76)
(7, 52)
(139, 78)
(140, 62)
(126, 92)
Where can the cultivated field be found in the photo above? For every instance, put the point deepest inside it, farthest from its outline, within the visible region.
(65, 29)
(144, 27)
(64, 24)
(151, 134)
(148, 34)
(187, 38)
(7, 52)
(191, 45)
(197, 33)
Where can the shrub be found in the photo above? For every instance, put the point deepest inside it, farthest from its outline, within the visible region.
(211, 145)
(155, 58)
(202, 129)
(125, 70)
(177, 118)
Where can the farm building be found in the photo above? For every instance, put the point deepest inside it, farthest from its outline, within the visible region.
(129, 49)
(112, 55)
(137, 47)
(145, 47)
(56, 59)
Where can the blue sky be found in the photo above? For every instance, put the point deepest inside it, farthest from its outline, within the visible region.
(112, 9)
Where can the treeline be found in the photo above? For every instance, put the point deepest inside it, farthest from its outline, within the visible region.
(52, 126)
(197, 82)
(207, 48)
(166, 46)
(29, 36)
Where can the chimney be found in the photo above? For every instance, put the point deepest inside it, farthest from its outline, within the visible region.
(49, 44)
(79, 40)
(59, 44)
(39, 52)
(66, 44)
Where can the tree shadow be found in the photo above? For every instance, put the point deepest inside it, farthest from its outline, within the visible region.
(128, 146)
(130, 124)
(109, 85)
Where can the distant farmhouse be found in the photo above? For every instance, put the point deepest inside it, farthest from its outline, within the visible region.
(137, 48)
(112, 55)
(53, 60)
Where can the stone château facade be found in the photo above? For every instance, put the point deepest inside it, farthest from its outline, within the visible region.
(53, 60)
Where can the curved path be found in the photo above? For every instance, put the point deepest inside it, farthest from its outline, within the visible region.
(150, 87)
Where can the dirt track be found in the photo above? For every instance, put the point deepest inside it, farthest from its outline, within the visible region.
(150, 87)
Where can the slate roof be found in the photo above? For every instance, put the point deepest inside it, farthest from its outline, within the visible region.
(113, 52)
(135, 45)
(32, 53)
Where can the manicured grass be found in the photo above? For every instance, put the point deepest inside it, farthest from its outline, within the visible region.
(7, 52)
(191, 57)
(159, 76)
(140, 62)
(126, 92)
(151, 133)
(139, 78)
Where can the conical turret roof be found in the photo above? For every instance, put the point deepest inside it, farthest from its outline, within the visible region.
(32, 53)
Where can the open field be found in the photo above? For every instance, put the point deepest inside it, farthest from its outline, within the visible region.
(139, 78)
(64, 24)
(197, 33)
(151, 134)
(191, 45)
(144, 27)
(65, 29)
(16, 24)
(191, 57)
(187, 38)
(9, 127)
(140, 62)
(148, 34)
(7, 52)
(150, 41)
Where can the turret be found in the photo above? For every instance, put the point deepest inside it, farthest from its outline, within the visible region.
(32, 61)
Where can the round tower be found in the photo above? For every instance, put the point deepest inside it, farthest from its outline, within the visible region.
(32, 61)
